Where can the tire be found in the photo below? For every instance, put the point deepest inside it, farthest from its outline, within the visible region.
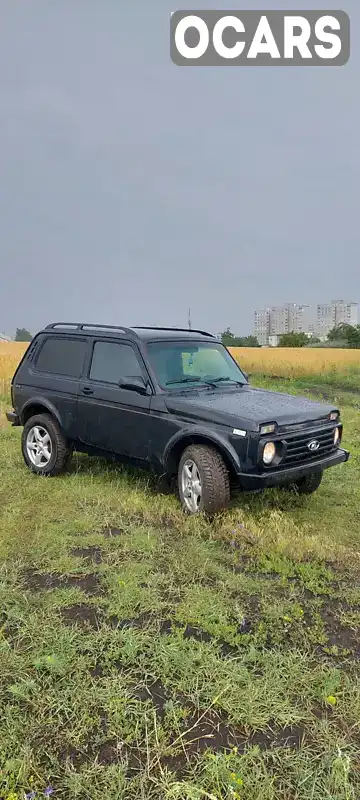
(56, 451)
(211, 476)
(309, 484)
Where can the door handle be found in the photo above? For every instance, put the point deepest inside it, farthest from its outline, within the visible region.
(87, 390)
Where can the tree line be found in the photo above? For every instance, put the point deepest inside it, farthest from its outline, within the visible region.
(347, 336)
(22, 335)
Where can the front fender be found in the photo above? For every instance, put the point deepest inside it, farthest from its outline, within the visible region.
(202, 434)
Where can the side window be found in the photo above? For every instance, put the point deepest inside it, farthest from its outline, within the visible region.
(62, 356)
(111, 362)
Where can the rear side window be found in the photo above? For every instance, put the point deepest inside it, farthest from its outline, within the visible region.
(111, 362)
(62, 357)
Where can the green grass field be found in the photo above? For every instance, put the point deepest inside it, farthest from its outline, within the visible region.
(144, 655)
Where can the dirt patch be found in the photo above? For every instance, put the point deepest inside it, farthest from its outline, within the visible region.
(226, 648)
(97, 671)
(75, 756)
(110, 533)
(37, 581)
(213, 732)
(208, 732)
(177, 765)
(197, 633)
(200, 734)
(155, 692)
(132, 759)
(338, 635)
(166, 627)
(108, 753)
(91, 554)
(81, 615)
(143, 621)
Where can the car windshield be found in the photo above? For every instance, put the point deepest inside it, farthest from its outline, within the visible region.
(180, 364)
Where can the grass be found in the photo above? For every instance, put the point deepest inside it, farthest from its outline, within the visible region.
(147, 655)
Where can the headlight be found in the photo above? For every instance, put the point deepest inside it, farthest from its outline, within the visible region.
(336, 436)
(269, 452)
(334, 416)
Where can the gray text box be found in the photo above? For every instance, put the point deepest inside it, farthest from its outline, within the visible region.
(260, 38)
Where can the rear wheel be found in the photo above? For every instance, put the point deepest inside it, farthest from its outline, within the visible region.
(44, 446)
(203, 480)
(309, 484)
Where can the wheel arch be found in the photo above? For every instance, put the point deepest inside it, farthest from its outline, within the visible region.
(38, 406)
(176, 448)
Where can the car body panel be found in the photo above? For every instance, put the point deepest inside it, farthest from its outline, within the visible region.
(151, 428)
(246, 407)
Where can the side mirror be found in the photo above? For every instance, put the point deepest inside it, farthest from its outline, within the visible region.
(135, 384)
(246, 375)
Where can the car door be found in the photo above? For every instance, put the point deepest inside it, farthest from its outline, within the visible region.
(111, 417)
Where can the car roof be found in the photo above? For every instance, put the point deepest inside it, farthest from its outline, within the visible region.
(171, 333)
(137, 332)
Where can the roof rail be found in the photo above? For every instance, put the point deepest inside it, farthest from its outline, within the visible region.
(84, 326)
(174, 328)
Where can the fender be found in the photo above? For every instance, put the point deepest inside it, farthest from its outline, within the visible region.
(211, 436)
(41, 401)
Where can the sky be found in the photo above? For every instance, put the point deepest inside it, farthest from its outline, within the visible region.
(132, 189)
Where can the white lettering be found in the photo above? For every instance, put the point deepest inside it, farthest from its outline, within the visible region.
(268, 46)
(192, 22)
(299, 40)
(220, 47)
(324, 36)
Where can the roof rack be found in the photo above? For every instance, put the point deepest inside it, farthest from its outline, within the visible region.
(173, 328)
(84, 326)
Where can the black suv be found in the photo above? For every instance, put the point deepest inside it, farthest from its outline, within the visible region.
(171, 400)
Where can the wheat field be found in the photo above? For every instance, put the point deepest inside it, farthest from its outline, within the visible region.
(10, 355)
(289, 362)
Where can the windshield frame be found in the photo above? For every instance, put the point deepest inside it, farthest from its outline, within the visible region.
(196, 385)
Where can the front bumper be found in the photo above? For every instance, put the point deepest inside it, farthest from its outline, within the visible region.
(12, 417)
(281, 477)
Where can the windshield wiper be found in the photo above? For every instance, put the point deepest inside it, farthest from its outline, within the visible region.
(203, 381)
(220, 380)
(187, 379)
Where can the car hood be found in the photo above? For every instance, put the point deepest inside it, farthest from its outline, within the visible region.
(246, 407)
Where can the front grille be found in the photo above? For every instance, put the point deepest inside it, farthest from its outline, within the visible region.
(297, 449)
(299, 427)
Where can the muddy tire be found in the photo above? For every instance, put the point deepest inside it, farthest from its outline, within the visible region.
(44, 447)
(203, 480)
(309, 484)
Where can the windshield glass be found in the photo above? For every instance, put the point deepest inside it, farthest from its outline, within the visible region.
(178, 364)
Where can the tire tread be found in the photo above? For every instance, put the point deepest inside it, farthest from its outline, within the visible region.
(215, 475)
(62, 448)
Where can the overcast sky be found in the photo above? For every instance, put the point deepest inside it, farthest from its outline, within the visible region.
(131, 189)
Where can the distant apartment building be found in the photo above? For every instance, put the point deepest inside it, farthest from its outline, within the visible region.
(262, 325)
(335, 313)
(271, 323)
(279, 320)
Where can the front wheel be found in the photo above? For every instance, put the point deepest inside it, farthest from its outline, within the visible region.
(203, 480)
(309, 484)
(44, 447)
